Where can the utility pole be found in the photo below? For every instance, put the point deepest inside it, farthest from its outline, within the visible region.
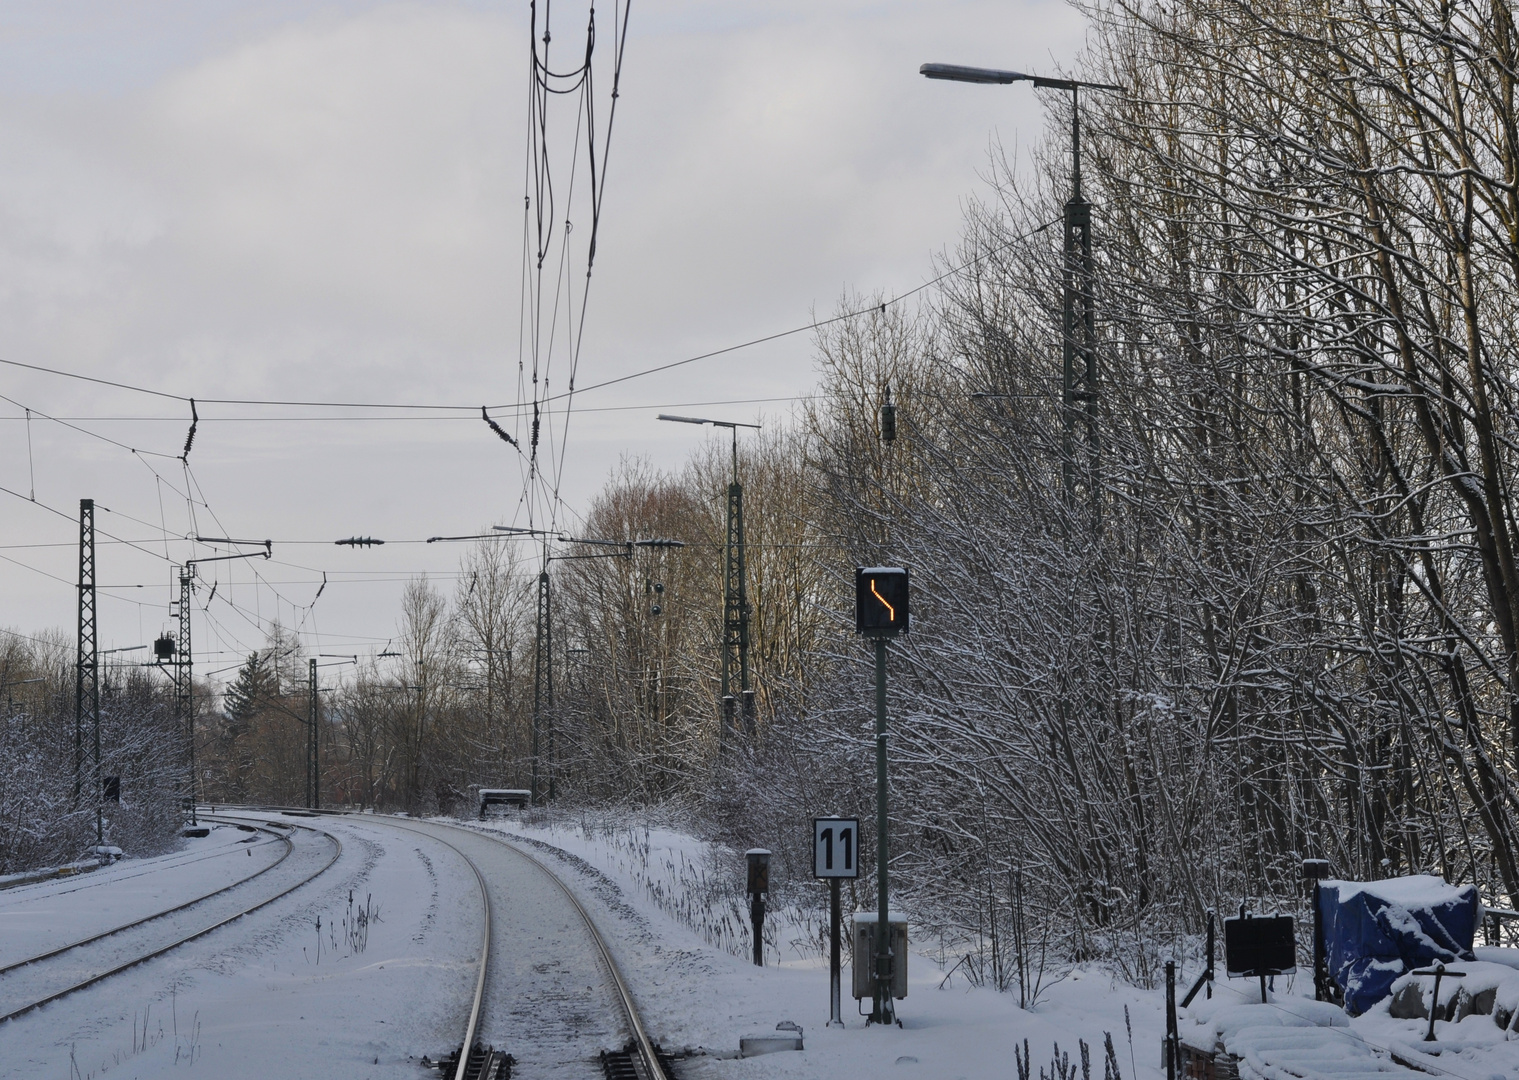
(735, 601)
(313, 780)
(543, 663)
(87, 663)
(490, 697)
(543, 689)
(184, 673)
(179, 649)
(509, 697)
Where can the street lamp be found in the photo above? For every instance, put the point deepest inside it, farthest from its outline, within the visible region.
(1078, 310)
(735, 598)
(9, 705)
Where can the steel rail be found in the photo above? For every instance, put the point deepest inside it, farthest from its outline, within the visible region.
(289, 847)
(119, 968)
(472, 1028)
(653, 1067)
(19, 893)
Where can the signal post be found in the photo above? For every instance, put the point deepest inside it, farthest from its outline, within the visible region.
(880, 614)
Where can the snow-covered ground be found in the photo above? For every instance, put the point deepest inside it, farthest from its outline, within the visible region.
(273, 996)
(697, 995)
(48, 914)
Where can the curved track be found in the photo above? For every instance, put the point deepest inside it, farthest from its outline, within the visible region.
(60, 950)
(643, 1046)
(159, 950)
(472, 1026)
(47, 887)
(649, 1063)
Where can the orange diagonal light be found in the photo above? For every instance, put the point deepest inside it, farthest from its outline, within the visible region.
(891, 612)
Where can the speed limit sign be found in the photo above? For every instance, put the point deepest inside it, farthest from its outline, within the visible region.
(836, 847)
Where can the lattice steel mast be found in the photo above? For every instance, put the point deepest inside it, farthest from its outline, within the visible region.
(184, 673)
(543, 689)
(313, 781)
(1078, 306)
(735, 611)
(735, 647)
(87, 663)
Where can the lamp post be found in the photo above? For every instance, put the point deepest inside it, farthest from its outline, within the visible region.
(1078, 314)
(735, 599)
(9, 704)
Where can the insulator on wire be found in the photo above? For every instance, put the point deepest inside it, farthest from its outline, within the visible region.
(497, 428)
(190, 438)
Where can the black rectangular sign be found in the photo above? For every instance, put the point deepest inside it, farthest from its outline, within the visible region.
(880, 601)
(1264, 946)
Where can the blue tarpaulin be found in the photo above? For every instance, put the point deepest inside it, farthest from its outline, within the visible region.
(1374, 931)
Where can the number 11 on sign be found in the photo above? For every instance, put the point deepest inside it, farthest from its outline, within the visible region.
(845, 863)
(835, 855)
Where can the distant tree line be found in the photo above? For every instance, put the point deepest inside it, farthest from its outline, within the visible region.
(47, 805)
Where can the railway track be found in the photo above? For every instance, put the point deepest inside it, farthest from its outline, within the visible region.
(53, 886)
(102, 935)
(545, 980)
(639, 1060)
(472, 1061)
(64, 961)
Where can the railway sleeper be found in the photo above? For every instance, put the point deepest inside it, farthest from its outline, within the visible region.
(483, 1063)
(625, 1065)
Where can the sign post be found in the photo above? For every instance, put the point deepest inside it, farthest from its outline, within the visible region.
(880, 613)
(1314, 872)
(835, 856)
(758, 887)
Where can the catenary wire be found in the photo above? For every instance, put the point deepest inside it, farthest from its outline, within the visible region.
(473, 410)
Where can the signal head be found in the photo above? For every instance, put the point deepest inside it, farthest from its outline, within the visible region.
(880, 601)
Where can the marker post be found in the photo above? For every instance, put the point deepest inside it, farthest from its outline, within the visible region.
(835, 856)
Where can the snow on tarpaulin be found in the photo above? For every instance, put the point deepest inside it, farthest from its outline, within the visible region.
(1374, 931)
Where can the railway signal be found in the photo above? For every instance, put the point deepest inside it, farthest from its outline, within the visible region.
(880, 601)
(881, 612)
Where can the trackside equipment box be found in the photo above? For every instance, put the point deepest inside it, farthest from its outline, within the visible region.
(864, 933)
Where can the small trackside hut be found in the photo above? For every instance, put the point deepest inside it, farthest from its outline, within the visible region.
(518, 798)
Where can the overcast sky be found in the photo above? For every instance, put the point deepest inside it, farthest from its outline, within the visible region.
(323, 201)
